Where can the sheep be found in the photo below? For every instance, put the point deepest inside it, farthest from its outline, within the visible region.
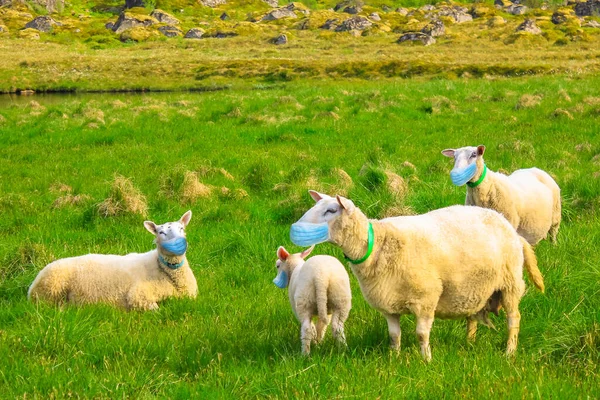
(445, 263)
(133, 281)
(528, 198)
(318, 287)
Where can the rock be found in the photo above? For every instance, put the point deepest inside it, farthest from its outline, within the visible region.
(164, 17)
(303, 25)
(427, 7)
(295, 6)
(224, 17)
(134, 3)
(516, 9)
(43, 23)
(559, 18)
(138, 34)
(29, 33)
(529, 26)
(3, 29)
(212, 3)
(223, 35)
(52, 6)
(479, 11)
(458, 13)
(352, 9)
(194, 33)
(386, 8)
(354, 23)
(587, 8)
(281, 39)
(279, 13)
(170, 31)
(129, 21)
(350, 6)
(374, 16)
(109, 25)
(272, 3)
(330, 24)
(435, 28)
(6, 3)
(417, 37)
(25, 92)
(496, 21)
(592, 24)
(500, 3)
(402, 11)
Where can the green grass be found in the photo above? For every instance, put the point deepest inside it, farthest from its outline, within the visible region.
(239, 337)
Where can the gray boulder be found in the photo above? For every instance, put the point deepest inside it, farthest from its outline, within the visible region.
(402, 11)
(427, 8)
(170, 31)
(417, 37)
(279, 13)
(52, 6)
(516, 9)
(330, 24)
(458, 13)
(350, 6)
(43, 23)
(134, 3)
(592, 24)
(281, 39)
(224, 17)
(587, 8)
(354, 23)
(127, 21)
(164, 17)
(272, 3)
(194, 33)
(558, 18)
(529, 26)
(374, 16)
(212, 3)
(109, 25)
(435, 28)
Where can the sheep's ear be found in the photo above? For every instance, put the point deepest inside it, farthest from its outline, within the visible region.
(185, 219)
(282, 253)
(150, 226)
(346, 204)
(480, 150)
(306, 252)
(316, 195)
(448, 153)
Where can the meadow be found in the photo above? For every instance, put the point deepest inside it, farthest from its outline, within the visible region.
(80, 174)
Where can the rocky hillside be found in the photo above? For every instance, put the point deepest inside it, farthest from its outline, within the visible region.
(106, 24)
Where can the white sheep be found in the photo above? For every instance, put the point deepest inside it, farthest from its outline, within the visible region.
(132, 281)
(446, 263)
(528, 198)
(319, 287)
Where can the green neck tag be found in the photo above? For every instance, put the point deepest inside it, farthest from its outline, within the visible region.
(369, 249)
(481, 178)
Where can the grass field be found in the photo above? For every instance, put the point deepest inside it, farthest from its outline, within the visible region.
(266, 144)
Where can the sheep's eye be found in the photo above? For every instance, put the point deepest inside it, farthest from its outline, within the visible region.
(330, 210)
(473, 155)
(162, 233)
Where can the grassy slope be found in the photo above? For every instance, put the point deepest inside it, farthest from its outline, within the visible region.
(239, 337)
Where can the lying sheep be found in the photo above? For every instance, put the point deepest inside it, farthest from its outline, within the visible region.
(317, 287)
(446, 263)
(528, 198)
(133, 281)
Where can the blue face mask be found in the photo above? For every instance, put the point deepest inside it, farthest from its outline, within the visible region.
(281, 280)
(306, 234)
(460, 176)
(176, 246)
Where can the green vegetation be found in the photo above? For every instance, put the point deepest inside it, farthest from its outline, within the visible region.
(242, 160)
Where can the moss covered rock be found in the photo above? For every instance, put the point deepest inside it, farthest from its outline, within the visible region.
(138, 34)
(129, 20)
(29, 33)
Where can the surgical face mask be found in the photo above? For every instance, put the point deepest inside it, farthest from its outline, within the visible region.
(460, 176)
(306, 234)
(281, 280)
(176, 246)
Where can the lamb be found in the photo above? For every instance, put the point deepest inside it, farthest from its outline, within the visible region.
(446, 263)
(318, 287)
(528, 198)
(133, 281)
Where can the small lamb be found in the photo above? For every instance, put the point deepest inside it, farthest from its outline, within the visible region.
(134, 281)
(447, 263)
(317, 287)
(528, 198)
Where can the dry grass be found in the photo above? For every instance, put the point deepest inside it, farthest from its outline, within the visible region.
(192, 189)
(395, 184)
(592, 101)
(561, 112)
(66, 196)
(583, 147)
(528, 101)
(439, 104)
(123, 198)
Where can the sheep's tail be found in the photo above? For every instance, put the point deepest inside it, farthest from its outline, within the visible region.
(531, 265)
(321, 295)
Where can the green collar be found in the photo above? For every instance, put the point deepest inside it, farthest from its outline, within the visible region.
(369, 249)
(481, 178)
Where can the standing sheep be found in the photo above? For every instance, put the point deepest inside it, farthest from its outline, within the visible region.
(133, 281)
(317, 287)
(446, 263)
(528, 198)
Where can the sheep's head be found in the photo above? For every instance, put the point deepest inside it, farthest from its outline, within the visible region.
(170, 237)
(468, 163)
(328, 221)
(286, 263)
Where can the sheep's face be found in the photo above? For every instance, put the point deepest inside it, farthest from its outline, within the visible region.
(468, 161)
(170, 237)
(318, 223)
(286, 263)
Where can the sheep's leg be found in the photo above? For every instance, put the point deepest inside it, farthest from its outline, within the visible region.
(337, 326)
(424, 323)
(321, 328)
(393, 321)
(142, 297)
(471, 328)
(307, 334)
(511, 304)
